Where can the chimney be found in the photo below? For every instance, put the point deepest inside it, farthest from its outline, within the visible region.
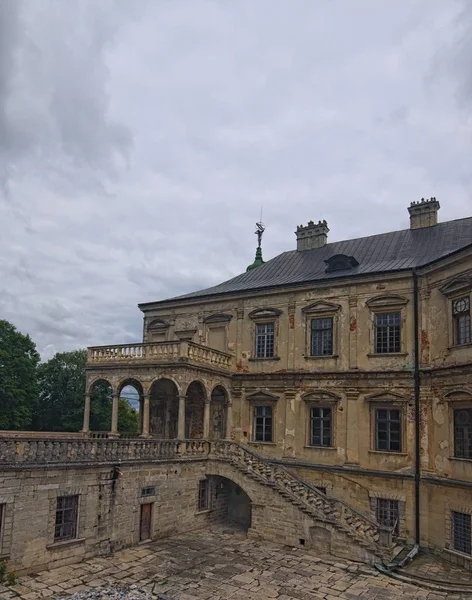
(424, 213)
(313, 235)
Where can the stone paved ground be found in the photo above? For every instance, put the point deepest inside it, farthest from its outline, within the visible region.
(219, 564)
(434, 569)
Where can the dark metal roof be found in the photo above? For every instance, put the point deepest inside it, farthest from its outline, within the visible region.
(383, 253)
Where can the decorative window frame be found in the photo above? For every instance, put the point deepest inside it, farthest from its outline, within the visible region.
(386, 303)
(374, 496)
(321, 399)
(456, 399)
(158, 325)
(260, 398)
(81, 516)
(448, 538)
(453, 289)
(322, 309)
(6, 529)
(260, 316)
(216, 321)
(388, 400)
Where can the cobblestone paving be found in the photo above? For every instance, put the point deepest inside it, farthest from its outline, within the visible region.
(436, 570)
(219, 564)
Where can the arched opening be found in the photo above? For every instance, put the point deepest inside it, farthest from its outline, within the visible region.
(164, 409)
(130, 408)
(219, 398)
(101, 402)
(230, 503)
(195, 411)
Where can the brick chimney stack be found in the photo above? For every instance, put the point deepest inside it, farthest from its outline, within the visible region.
(313, 235)
(424, 213)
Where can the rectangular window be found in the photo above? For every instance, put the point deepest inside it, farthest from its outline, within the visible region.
(463, 433)
(320, 429)
(264, 340)
(66, 518)
(321, 337)
(387, 332)
(461, 320)
(263, 423)
(203, 495)
(148, 491)
(388, 513)
(388, 429)
(461, 532)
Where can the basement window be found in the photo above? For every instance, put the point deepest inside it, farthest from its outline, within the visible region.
(461, 532)
(66, 518)
(388, 513)
(203, 495)
(148, 491)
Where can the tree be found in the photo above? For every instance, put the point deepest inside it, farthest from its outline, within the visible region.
(62, 383)
(18, 383)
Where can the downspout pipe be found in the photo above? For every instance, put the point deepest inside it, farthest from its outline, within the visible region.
(416, 375)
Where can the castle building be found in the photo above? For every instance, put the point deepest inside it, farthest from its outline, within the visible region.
(347, 363)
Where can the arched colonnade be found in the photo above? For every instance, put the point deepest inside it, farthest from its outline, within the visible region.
(167, 413)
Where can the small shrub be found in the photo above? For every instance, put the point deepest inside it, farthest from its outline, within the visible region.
(3, 570)
(11, 577)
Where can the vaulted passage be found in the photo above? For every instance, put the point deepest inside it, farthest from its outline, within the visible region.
(230, 502)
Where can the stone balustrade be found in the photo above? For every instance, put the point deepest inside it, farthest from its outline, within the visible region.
(28, 452)
(159, 352)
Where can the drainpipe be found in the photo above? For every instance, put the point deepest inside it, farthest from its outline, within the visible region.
(417, 409)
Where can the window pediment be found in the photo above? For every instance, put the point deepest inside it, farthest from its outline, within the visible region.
(321, 306)
(463, 283)
(316, 396)
(260, 396)
(340, 262)
(387, 300)
(386, 397)
(265, 313)
(459, 395)
(158, 325)
(218, 318)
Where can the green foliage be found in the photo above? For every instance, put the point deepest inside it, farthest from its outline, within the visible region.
(3, 570)
(18, 384)
(11, 577)
(128, 417)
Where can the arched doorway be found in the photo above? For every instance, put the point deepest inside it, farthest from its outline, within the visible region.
(130, 407)
(230, 501)
(219, 399)
(164, 409)
(101, 403)
(195, 411)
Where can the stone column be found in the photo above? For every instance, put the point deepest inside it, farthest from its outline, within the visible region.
(146, 411)
(86, 427)
(181, 425)
(229, 420)
(114, 415)
(206, 419)
(352, 427)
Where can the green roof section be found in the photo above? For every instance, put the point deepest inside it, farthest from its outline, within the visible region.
(258, 261)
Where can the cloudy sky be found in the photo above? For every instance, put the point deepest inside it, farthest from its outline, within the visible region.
(138, 141)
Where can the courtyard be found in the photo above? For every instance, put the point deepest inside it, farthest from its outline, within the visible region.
(217, 564)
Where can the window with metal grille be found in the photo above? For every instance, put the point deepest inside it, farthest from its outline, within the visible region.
(388, 429)
(461, 532)
(461, 320)
(463, 433)
(263, 423)
(387, 332)
(264, 340)
(148, 491)
(66, 518)
(203, 495)
(320, 426)
(321, 337)
(388, 513)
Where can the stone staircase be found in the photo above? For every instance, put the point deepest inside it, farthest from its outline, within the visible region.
(358, 527)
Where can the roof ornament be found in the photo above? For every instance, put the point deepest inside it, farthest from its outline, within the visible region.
(258, 261)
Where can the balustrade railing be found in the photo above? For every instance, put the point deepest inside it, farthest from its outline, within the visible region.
(156, 352)
(30, 452)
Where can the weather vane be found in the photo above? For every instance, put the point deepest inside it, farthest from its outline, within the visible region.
(260, 230)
